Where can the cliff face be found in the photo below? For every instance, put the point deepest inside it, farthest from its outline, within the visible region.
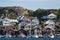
(13, 12)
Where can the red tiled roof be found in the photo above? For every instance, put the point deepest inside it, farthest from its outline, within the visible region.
(30, 17)
(58, 22)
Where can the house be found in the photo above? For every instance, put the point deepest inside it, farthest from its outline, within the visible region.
(21, 24)
(9, 23)
(52, 16)
(22, 18)
(51, 22)
(58, 24)
(44, 17)
(28, 21)
(35, 21)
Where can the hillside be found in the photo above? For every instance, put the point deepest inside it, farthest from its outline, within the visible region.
(13, 12)
(16, 11)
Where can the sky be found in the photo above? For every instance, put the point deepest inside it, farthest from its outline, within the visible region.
(32, 4)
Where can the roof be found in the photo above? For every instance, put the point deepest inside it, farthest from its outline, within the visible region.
(49, 22)
(11, 20)
(30, 17)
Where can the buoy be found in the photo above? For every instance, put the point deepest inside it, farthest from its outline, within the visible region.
(52, 36)
(37, 36)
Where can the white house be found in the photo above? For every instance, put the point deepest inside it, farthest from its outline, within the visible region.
(9, 22)
(50, 24)
(51, 16)
(35, 21)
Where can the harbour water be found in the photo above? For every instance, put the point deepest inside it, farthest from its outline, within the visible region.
(44, 38)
